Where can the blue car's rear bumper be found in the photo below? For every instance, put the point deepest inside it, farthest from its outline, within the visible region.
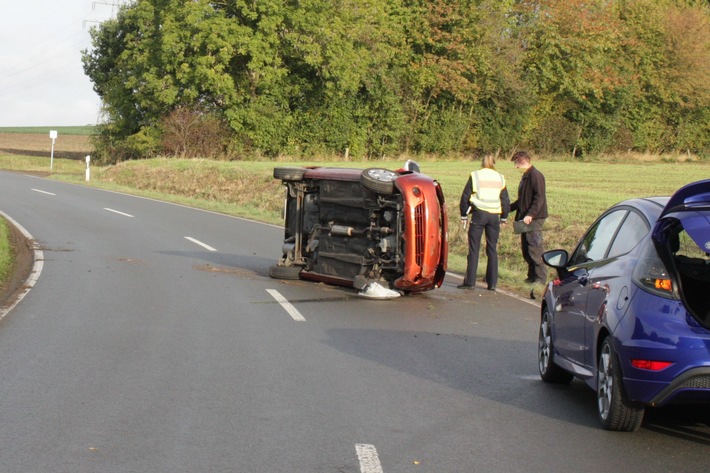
(692, 385)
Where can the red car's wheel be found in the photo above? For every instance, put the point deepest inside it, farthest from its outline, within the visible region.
(379, 180)
(289, 174)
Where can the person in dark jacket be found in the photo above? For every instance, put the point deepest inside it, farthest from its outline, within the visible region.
(531, 208)
(485, 197)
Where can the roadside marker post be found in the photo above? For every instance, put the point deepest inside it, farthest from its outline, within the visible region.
(88, 170)
(53, 136)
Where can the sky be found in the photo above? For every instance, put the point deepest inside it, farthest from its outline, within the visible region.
(42, 81)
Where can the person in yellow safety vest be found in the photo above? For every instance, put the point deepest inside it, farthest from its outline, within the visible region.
(485, 199)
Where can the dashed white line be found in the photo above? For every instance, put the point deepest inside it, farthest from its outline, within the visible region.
(369, 460)
(288, 307)
(43, 192)
(198, 242)
(117, 212)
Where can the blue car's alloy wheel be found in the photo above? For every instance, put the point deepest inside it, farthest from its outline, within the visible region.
(616, 412)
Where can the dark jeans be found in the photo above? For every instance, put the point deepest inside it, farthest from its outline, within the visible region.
(533, 247)
(490, 224)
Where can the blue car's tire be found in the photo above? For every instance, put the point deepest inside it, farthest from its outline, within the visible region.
(616, 411)
(549, 371)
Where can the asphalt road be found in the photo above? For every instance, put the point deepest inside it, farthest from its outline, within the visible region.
(154, 341)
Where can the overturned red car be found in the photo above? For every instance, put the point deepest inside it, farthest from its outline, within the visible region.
(382, 232)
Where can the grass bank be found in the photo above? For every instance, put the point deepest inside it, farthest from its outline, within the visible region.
(577, 192)
(6, 252)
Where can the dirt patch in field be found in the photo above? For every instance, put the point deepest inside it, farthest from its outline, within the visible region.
(24, 261)
(33, 144)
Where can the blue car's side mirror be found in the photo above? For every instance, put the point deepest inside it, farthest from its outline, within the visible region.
(556, 258)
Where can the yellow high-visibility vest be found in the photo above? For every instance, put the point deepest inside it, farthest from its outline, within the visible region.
(487, 185)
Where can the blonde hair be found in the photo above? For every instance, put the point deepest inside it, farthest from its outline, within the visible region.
(488, 161)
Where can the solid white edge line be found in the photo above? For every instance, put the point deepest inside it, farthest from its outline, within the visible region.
(288, 307)
(43, 192)
(369, 460)
(36, 267)
(198, 242)
(117, 212)
(505, 293)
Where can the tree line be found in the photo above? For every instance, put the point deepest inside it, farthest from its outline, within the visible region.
(371, 78)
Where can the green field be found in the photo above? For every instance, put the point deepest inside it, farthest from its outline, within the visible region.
(577, 192)
(87, 130)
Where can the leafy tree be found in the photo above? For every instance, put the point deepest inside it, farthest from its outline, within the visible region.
(157, 55)
(441, 68)
(668, 52)
(426, 76)
(572, 60)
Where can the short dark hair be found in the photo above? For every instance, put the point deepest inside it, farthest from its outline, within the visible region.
(519, 156)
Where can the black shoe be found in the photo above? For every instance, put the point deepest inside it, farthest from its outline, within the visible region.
(537, 290)
(465, 286)
(492, 288)
(535, 281)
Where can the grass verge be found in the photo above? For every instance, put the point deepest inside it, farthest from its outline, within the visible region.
(7, 256)
(577, 192)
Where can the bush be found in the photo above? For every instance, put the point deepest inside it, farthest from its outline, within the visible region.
(191, 133)
(555, 135)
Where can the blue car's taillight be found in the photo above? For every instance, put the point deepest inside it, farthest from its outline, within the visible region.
(651, 275)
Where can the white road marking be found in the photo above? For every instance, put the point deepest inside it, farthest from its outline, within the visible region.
(503, 291)
(531, 377)
(43, 192)
(288, 307)
(117, 212)
(369, 460)
(198, 242)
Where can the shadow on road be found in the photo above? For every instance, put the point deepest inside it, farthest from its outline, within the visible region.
(491, 368)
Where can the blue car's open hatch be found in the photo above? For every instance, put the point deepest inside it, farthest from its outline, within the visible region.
(682, 239)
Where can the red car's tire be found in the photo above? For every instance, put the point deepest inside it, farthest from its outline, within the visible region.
(289, 174)
(378, 180)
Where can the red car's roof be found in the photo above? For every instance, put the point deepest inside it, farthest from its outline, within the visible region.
(337, 174)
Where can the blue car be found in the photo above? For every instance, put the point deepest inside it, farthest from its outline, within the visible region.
(629, 311)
